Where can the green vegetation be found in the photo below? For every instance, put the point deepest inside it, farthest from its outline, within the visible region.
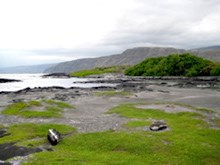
(217, 122)
(47, 109)
(201, 109)
(111, 93)
(189, 141)
(60, 104)
(137, 123)
(175, 65)
(32, 134)
(97, 71)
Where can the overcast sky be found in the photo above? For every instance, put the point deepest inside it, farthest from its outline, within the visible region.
(48, 31)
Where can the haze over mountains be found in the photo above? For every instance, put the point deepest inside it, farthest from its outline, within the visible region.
(128, 57)
(26, 69)
(131, 57)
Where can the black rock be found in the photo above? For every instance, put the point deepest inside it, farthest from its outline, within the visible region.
(57, 75)
(53, 136)
(10, 150)
(4, 80)
(158, 126)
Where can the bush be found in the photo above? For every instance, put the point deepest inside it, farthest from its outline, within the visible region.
(175, 65)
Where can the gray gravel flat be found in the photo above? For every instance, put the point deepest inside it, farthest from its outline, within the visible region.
(89, 114)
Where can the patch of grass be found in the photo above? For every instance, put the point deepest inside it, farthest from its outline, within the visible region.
(63, 105)
(25, 109)
(60, 104)
(130, 111)
(26, 133)
(217, 122)
(202, 109)
(113, 93)
(137, 123)
(34, 103)
(100, 70)
(32, 142)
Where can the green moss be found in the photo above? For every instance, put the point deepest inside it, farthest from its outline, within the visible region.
(63, 105)
(34, 103)
(113, 93)
(188, 141)
(101, 70)
(45, 109)
(23, 133)
(60, 104)
(188, 146)
(176, 121)
(217, 122)
(201, 109)
(32, 142)
(136, 123)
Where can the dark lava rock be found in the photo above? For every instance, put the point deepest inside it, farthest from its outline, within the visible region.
(158, 126)
(3, 133)
(10, 150)
(57, 75)
(4, 80)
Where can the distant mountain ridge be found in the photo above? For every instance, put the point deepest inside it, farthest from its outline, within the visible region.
(132, 57)
(216, 47)
(26, 69)
(128, 57)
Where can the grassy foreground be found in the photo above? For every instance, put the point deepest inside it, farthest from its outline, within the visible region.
(188, 141)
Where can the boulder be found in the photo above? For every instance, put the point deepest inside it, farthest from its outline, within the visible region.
(158, 126)
(53, 136)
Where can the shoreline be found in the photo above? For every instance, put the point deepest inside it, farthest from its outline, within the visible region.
(126, 81)
(91, 105)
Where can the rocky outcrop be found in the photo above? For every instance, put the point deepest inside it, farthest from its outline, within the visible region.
(56, 75)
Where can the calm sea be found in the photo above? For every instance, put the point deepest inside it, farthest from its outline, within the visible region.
(36, 80)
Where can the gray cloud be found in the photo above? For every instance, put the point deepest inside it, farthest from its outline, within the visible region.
(177, 23)
(184, 24)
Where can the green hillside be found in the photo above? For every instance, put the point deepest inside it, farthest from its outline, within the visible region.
(175, 65)
(98, 71)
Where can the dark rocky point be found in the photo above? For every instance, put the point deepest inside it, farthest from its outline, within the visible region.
(4, 80)
(57, 75)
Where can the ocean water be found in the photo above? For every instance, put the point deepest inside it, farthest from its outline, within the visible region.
(36, 80)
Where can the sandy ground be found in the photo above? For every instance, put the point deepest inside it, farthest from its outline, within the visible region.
(90, 110)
